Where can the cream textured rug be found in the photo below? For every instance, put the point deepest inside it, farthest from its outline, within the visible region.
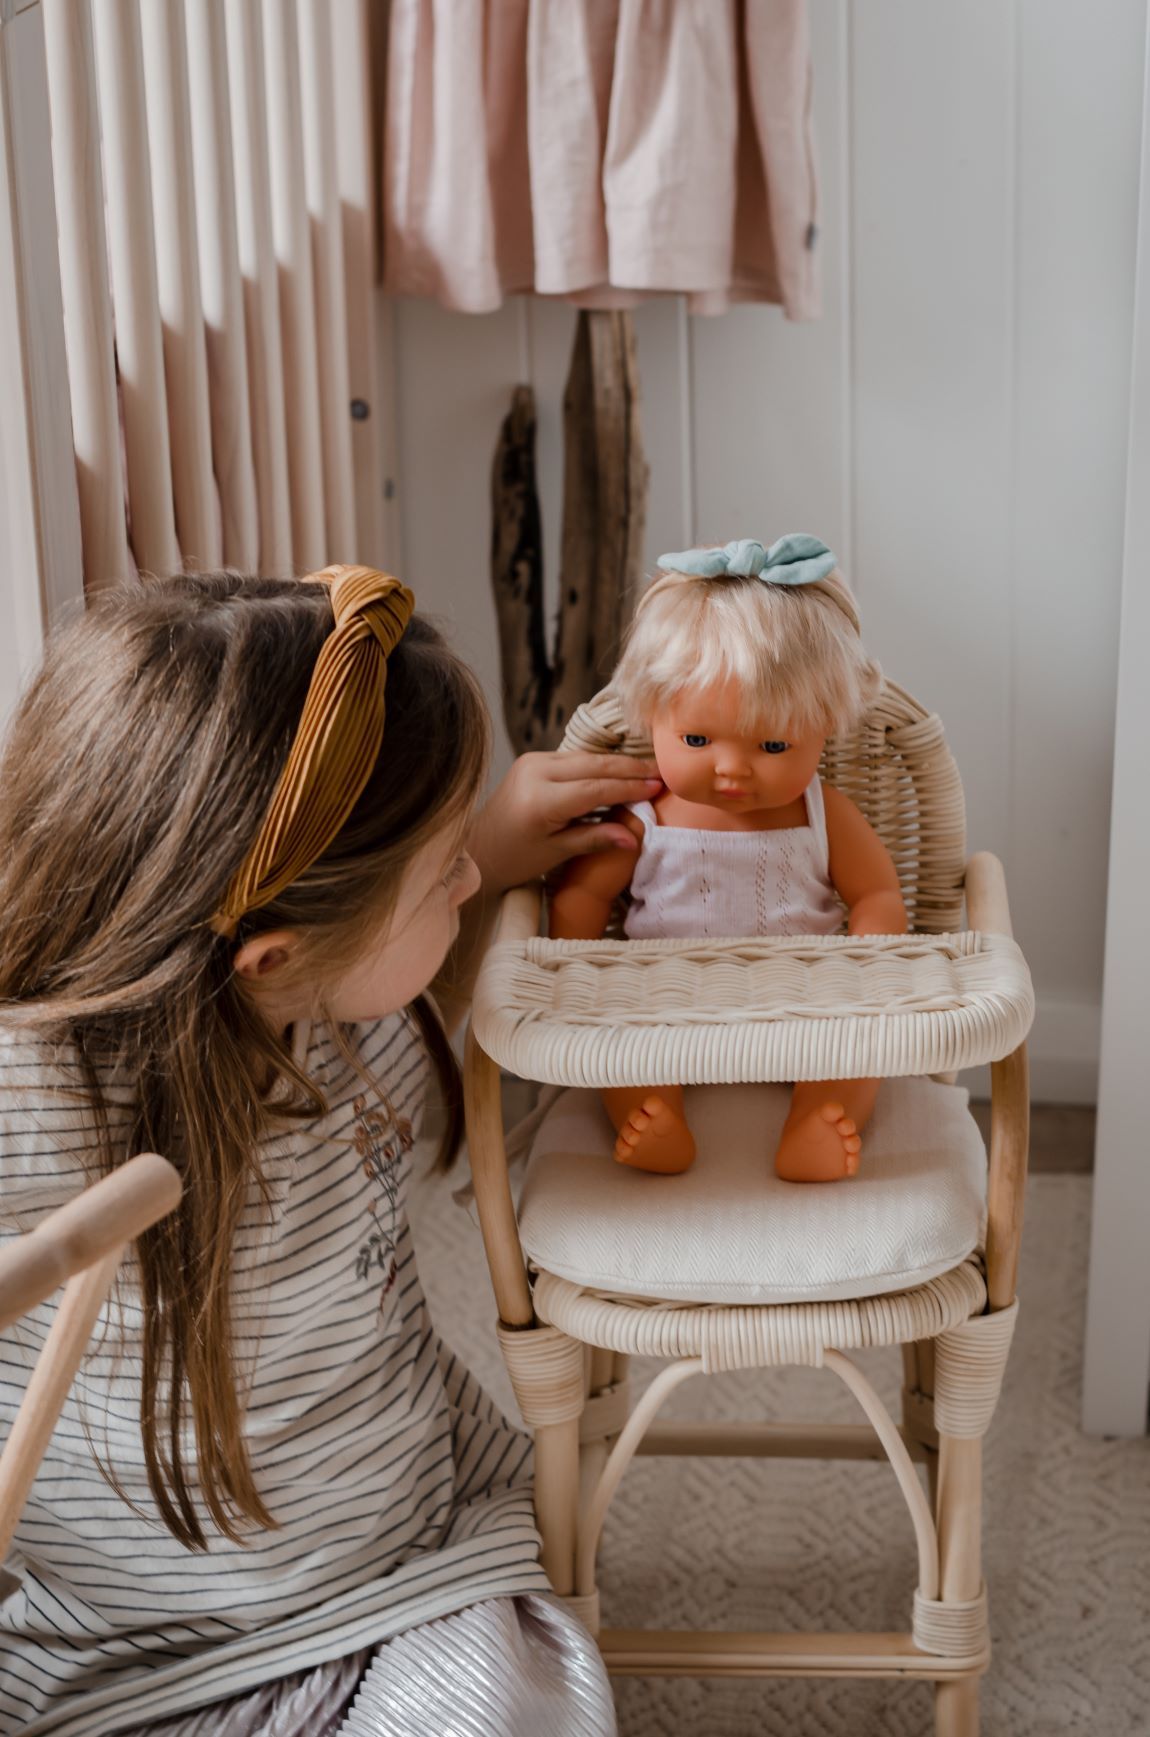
(745, 1544)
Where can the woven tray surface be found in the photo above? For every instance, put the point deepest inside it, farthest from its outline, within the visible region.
(772, 1008)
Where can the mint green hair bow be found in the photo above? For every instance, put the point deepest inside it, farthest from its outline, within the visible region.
(793, 560)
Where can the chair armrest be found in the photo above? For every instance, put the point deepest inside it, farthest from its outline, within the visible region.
(987, 908)
(103, 1218)
(520, 913)
(613, 1013)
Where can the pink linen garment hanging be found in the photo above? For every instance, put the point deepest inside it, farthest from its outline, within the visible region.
(601, 150)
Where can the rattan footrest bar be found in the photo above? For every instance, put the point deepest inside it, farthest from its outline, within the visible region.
(616, 1013)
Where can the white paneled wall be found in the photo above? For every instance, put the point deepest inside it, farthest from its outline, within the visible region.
(1117, 1346)
(955, 425)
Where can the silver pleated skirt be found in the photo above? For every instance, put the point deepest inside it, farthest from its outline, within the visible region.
(508, 1667)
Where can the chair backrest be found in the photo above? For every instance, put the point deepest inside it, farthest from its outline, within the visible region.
(896, 766)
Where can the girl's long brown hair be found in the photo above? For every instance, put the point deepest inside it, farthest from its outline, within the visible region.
(134, 777)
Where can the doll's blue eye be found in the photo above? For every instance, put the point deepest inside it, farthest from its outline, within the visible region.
(774, 747)
(693, 740)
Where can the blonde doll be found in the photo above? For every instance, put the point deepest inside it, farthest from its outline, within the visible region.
(740, 662)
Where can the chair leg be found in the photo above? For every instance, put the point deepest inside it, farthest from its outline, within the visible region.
(960, 1564)
(602, 1368)
(594, 1443)
(918, 1407)
(548, 1374)
(925, 1351)
(557, 1499)
(956, 1708)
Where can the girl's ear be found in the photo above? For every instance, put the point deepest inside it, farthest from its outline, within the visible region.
(264, 955)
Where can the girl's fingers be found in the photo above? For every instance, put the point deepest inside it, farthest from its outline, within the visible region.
(587, 766)
(583, 794)
(581, 840)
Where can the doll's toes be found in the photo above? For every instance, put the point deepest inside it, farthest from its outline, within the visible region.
(654, 1137)
(814, 1146)
(630, 1134)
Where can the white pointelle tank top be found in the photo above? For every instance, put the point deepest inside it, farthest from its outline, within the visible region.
(695, 882)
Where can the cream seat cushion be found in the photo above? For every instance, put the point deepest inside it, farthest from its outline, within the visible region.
(728, 1231)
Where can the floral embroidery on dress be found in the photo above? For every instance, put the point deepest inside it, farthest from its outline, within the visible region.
(382, 1144)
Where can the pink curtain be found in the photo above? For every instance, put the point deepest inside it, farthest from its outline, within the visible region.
(600, 150)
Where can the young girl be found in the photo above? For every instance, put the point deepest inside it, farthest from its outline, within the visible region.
(237, 829)
(739, 664)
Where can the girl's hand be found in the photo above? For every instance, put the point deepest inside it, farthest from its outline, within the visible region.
(531, 823)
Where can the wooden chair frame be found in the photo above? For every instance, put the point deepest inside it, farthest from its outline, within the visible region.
(80, 1246)
(584, 1440)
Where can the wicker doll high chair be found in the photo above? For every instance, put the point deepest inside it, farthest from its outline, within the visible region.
(727, 1268)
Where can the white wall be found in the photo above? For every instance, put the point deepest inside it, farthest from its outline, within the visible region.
(1117, 1345)
(954, 426)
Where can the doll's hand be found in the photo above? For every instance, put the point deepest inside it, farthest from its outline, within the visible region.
(531, 823)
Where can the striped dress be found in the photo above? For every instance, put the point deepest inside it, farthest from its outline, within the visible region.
(400, 1493)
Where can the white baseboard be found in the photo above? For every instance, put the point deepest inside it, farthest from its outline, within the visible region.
(1064, 1051)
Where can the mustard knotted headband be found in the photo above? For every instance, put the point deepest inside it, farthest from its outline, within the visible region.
(337, 742)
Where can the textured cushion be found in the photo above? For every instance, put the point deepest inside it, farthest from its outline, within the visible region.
(728, 1231)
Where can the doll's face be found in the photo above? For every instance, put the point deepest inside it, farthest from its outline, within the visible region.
(704, 756)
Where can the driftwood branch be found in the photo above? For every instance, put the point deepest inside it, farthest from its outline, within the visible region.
(517, 577)
(604, 510)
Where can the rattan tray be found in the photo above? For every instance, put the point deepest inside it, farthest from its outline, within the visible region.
(615, 1013)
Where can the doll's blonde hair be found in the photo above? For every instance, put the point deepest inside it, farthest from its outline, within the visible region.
(794, 650)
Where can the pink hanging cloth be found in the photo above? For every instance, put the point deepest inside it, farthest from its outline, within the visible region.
(600, 150)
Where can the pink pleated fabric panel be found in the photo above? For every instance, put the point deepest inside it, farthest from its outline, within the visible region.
(600, 150)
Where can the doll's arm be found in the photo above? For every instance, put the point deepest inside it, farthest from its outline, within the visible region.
(579, 906)
(862, 869)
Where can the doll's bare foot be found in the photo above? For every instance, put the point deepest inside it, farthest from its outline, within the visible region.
(819, 1144)
(655, 1137)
